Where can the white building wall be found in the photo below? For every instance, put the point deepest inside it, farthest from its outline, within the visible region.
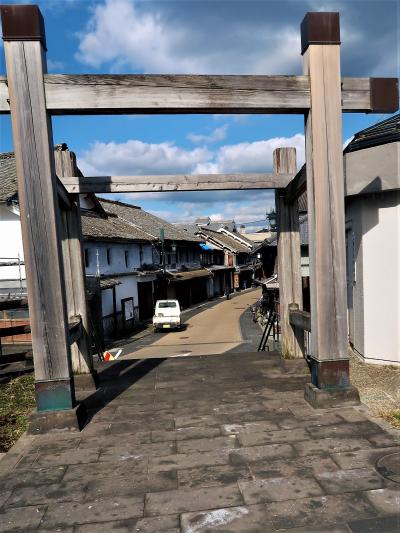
(381, 278)
(10, 246)
(138, 255)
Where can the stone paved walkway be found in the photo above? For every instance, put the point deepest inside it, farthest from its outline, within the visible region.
(202, 444)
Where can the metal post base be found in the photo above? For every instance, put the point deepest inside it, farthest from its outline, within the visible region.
(54, 395)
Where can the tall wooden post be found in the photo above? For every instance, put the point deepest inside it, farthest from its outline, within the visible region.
(320, 35)
(23, 33)
(82, 361)
(289, 256)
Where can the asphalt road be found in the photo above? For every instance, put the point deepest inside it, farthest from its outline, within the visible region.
(215, 330)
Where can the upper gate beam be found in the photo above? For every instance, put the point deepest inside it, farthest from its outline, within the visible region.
(98, 94)
(24, 38)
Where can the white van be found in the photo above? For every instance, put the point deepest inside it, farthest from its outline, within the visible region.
(167, 315)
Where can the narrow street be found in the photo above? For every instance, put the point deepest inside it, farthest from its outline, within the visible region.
(215, 330)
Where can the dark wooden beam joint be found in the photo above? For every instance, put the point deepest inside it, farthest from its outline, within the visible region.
(54, 395)
(319, 28)
(384, 94)
(22, 23)
(330, 375)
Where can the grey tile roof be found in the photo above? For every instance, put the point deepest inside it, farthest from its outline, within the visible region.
(95, 227)
(8, 177)
(147, 222)
(224, 240)
(383, 132)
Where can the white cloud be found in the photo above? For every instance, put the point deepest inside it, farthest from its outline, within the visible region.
(256, 156)
(127, 34)
(216, 135)
(137, 157)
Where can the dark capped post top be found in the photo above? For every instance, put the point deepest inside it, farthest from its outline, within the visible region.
(320, 28)
(22, 23)
(384, 95)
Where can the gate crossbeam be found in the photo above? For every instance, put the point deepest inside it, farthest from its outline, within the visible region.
(100, 94)
(180, 182)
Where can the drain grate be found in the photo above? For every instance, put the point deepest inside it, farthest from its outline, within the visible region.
(389, 466)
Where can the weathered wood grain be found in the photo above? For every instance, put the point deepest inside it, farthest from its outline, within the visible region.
(325, 194)
(40, 221)
(135, 93)
(181, 182)
(289, 257)
(82, 362)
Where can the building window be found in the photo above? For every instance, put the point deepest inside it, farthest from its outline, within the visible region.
(108, 256)
(86, 253)
(126, 258)
(141, 255)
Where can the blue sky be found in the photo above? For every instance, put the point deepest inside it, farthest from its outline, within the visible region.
(226, 37)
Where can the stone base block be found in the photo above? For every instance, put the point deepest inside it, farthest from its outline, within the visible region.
(86, 382)
(324, 399)
(63, 420)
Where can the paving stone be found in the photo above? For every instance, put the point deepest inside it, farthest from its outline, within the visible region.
(185, 434)
(44, 494)
(208, 476)
(32, 477)
(130, 467)
(344, 430)
(322, 420)
(257, 416)
(299, 467)
(331, 445)
(101, 510)
(158, 524)
(322, 510)
(272, 437)
(203, 445)
(171, 502)
(4, 496)
(361, 458)
(131, 485)
(188, 460)
(112, 440)
(88, 455)
(357, 479)
(385, 501)
(383, 440)
(203, 420)
(117, 428)
(256, 453)
(352, 415)
(385, 524)
(21, 518)
(252, 518)
(134, 451)
(279, 489)
(320, 529)
(249, 427)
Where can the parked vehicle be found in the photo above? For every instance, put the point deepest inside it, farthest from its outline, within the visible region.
(167, 315)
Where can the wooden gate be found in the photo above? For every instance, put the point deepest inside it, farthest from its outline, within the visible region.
(49, 201)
